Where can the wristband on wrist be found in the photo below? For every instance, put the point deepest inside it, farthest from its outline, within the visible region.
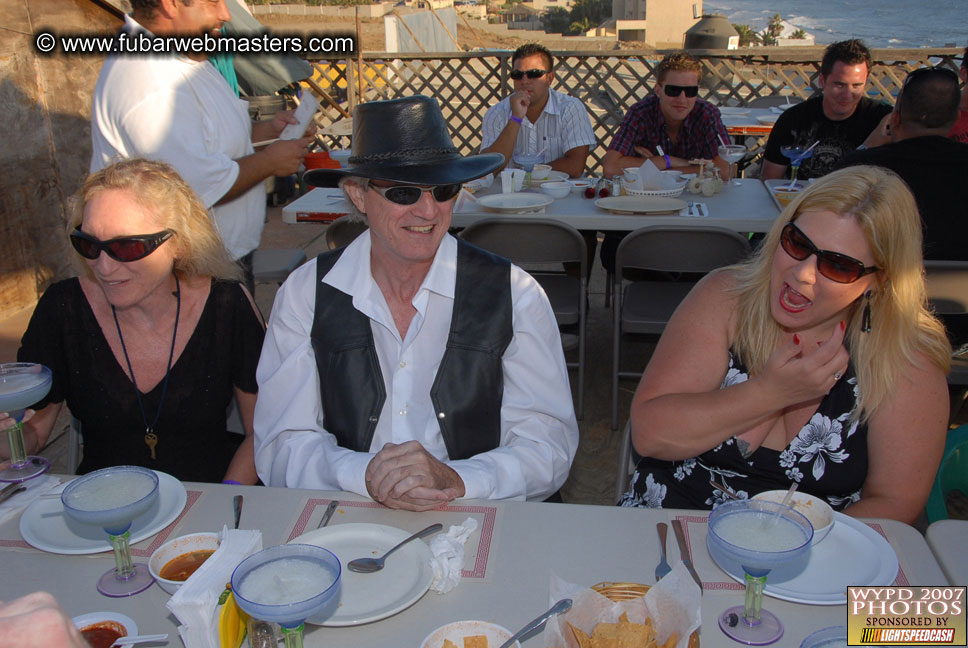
(668, 161)
(515, 119)
(231, 481)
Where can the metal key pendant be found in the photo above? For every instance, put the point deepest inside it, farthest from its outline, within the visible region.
(151, 440)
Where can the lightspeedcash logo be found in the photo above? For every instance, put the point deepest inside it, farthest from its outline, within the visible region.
(906, 616)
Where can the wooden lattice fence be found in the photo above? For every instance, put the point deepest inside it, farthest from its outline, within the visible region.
(467, 83)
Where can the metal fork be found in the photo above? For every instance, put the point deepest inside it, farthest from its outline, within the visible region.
(663, 567)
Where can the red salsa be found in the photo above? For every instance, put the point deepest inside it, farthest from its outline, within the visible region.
(102, 635)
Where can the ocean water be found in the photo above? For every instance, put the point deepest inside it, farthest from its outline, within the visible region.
(879, 23)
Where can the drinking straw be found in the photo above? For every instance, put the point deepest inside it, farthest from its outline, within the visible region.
(722, 139)
(796, 162)
(786, 502)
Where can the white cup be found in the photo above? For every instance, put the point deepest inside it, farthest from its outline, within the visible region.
(517, 179)
(506, 181)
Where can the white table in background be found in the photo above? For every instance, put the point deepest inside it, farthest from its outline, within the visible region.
(530, 541)
(746, 207)
(947, 539)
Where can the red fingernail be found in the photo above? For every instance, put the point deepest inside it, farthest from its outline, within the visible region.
(842, 325)
(796, 339)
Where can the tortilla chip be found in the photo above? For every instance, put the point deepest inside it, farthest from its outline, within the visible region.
(475, 641)
(671, 641)
(449, 644)
(584, 641)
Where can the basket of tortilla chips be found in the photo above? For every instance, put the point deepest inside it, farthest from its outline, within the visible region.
(627, 615)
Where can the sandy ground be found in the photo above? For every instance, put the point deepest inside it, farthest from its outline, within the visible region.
(478, 35)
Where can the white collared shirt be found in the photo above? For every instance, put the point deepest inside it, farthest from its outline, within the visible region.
(539, 433)
(563, 125)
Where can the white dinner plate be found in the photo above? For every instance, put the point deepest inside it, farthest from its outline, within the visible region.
(639, 204)
(851, 554)
(733, 110)
(363, 598)
(45, 526)
(92, 618)
(767, 119)
(515, 203)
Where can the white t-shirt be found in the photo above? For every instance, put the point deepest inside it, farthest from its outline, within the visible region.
(563, 125)
(182, 112)
(539, 434)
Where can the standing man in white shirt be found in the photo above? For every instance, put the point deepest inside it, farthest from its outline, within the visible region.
(537, 118)
(177, 108)
(410, 366)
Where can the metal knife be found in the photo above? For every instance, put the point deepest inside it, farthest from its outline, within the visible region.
(237, 508)
(11, 490)
(684, 551)
(328, 513)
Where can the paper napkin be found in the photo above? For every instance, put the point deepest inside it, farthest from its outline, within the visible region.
(196, 604)
(448, 550)
(35, 488)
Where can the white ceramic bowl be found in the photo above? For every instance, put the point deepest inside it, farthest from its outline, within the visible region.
(455, 632)
(540, 171)
(813, 508)
(114, 620)
(174, 548)
(556, 189)
(578, 185)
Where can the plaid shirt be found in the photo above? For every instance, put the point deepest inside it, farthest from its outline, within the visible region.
(645, 125)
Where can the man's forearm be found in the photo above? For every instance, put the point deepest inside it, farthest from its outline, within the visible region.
(253, 169)
(504, 144)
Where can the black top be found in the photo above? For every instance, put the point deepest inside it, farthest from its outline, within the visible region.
(828, 458)
(936, 170)
(806, 123)
(193, 445)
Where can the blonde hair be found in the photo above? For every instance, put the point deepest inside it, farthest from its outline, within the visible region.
(902, 327)
(156, 186)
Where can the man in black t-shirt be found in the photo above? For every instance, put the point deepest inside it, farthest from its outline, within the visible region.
(840, 119)
(934, 166)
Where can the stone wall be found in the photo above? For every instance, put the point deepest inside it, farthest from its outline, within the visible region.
(46, 105)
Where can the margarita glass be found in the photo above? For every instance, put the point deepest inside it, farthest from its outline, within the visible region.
(732, 153)
(796, 155)
(21, 385)
(111, 498)
(287, 584)
(527, 161)
(759, 536)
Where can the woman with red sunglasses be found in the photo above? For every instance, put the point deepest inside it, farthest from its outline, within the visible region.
(151, 343)
(814, 362)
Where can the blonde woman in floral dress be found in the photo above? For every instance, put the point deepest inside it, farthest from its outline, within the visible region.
(814, 362)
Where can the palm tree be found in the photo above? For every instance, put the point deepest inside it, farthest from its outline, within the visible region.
(747, 35)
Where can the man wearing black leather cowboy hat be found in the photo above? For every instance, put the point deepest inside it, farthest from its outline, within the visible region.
(410, 366)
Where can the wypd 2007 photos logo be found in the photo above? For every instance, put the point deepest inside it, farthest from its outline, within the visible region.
(906, 616)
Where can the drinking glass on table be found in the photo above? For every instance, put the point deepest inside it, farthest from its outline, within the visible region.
(527, 161)
(732, 153)
(287, 584)
(112, 498)
(760, 536)
(21, 385)
(796, 155)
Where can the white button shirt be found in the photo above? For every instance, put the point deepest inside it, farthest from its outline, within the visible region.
(564, 124)
(539, 433)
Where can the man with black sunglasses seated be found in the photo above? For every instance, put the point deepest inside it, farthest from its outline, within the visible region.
(411, 366)
(670, 128)
(535, 118)
(934, 167)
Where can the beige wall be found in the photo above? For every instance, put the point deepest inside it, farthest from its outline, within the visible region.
(666, 20)
(45, 102)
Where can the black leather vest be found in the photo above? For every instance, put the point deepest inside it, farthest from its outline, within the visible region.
(469, 386)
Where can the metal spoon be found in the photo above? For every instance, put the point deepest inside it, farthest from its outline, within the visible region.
(561, 606)
(328, 513)
(237, 509)
(663, 567)
(370, 565)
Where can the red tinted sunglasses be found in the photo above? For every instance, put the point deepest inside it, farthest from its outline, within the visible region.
(833, 265)
(123, 248)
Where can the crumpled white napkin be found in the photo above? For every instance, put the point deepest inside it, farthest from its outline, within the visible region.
(448, 550)
(652, 179)
(35, 488)
(195, 605)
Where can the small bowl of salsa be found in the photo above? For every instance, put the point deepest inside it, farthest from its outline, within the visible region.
(101, 629)
(175, 561)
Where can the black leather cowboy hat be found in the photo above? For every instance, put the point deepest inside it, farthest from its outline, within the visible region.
(407, 141)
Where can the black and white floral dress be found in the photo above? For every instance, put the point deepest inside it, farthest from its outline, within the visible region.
(828, 458)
